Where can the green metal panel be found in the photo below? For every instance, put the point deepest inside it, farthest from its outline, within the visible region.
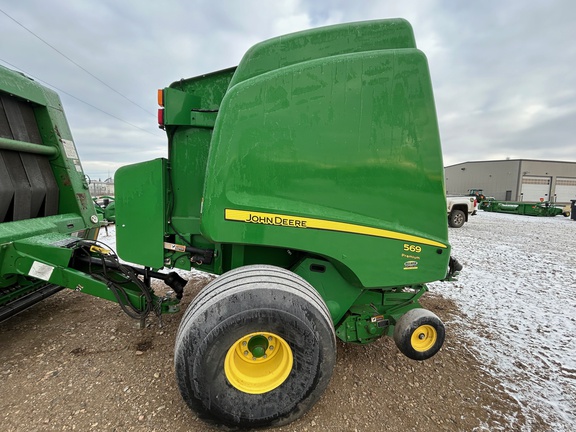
(340, 157)
(18, 84)
(188, 160)
(194, 101)
(338, 294)
(181, 103)
(141, 207)
(322, 42)
(65, 223)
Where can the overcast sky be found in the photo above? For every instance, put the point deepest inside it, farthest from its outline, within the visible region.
(504, 72)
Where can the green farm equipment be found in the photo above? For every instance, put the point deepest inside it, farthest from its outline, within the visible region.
(478, 193)
(48, 224)
(293, 176)
(544, 208)
(105, 207)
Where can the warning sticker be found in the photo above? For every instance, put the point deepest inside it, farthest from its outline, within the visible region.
(41, 271)
(69, 149)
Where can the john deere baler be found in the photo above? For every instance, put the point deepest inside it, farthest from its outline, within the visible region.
(44, 197)
(48, 225)
(295, 175)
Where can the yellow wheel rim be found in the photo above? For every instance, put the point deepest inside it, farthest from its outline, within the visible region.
(424, 338)
(258, 362)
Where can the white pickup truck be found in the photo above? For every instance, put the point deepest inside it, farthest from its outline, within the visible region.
(460, 208)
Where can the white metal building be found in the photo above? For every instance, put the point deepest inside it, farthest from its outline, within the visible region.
(99, 187)
(515, 179)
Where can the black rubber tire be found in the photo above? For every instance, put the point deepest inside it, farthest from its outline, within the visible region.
(245, 300)
(456, 218)
(408, 324)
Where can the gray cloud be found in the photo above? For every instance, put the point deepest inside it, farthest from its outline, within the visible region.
(502, 71)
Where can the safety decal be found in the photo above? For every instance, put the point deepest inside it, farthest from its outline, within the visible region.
(40, 270)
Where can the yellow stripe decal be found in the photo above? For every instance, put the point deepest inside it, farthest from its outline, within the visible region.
(304, 222)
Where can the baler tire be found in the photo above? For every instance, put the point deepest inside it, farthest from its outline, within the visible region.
(456, 218)
(254, 302)
(419, 334)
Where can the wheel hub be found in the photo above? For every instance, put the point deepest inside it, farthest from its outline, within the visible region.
(424, 338)
(258, 345)
(258, 362)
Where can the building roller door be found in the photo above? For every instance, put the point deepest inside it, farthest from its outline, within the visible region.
(534, 189)
(565, 189)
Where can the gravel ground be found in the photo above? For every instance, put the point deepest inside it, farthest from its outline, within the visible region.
(74, 362)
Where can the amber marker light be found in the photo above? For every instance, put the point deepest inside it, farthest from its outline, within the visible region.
(161, 110)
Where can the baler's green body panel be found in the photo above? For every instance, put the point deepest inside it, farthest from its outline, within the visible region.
(328, 41)
(319, 153)
(347, 137)
(142, 210)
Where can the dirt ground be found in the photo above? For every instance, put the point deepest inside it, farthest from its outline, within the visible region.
(74, 362)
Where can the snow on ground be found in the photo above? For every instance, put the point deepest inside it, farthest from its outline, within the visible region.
(517, 292)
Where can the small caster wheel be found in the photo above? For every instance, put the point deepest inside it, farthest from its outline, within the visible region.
(419, 334)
